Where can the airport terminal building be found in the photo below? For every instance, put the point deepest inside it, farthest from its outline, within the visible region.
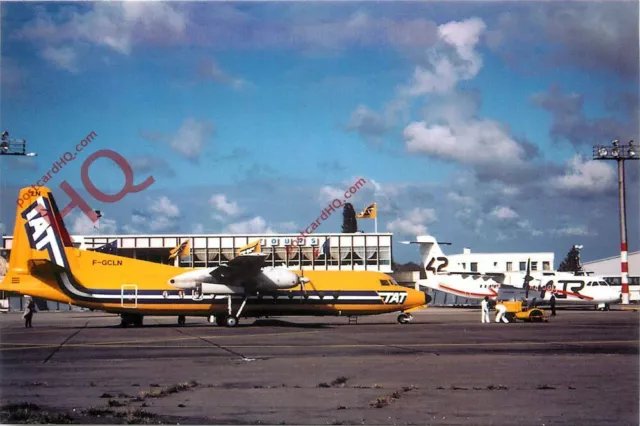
(360, 252)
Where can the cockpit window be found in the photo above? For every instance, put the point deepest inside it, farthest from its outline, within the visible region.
(594, 284)
(394, 282)
(604, 283)
(384, 282)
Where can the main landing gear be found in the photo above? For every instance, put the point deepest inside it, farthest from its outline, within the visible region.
(229, 320)
(131, 319)
(405, 318)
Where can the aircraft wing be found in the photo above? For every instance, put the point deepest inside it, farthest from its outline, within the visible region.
(240, 270)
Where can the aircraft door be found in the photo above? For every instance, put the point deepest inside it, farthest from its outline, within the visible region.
(129, 296)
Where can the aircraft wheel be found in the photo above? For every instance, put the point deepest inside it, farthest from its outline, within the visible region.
(181, 320)
(231, 321)
(404, 318)
(536, 315)
(137, 320)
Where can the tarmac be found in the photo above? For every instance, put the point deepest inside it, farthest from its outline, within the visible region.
(444, 368)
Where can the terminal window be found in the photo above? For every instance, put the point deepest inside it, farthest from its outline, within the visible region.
(546, 266)
(534, 266)
(523, 266)
(509, 266)
(474, 266)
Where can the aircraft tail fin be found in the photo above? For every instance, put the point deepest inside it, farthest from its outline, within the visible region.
(39, 232)
(433, 259)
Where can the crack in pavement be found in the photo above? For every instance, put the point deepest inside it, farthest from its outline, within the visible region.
(238, 354)
(65, 341)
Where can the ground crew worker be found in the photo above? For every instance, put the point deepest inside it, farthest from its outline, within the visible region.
(485, 310)
(28, 312)
(552, 302)
(501, 311)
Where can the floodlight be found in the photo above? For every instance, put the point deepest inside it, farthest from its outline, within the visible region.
(602, 152)
(615, 152)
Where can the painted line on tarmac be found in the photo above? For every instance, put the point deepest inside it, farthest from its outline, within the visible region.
(337, 346)
(126, 343)
(428, 345)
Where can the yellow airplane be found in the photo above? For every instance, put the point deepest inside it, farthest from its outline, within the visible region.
(45, 264)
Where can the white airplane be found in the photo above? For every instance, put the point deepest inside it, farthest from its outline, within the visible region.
(569, 289)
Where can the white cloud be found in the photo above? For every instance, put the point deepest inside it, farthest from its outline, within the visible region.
(329, 193)
(82, 225)
(210, 69)
(585, 177)
(164, 206)
(190, 137)
(219, 201)
(413, 223)
(453, 60)
(462, 200)
(368, 123)
(573, 231)
(504, 212)
(114, 25)
(479, 142)
(159, 216)
(63, 57)
(257, 225)
(197, 228)
(289, 226)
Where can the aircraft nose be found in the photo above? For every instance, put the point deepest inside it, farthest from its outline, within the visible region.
(427, 298)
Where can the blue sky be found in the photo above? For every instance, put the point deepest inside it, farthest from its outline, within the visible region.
(470, 121)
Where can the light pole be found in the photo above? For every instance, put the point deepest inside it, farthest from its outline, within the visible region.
(620, 153)
(11, 147)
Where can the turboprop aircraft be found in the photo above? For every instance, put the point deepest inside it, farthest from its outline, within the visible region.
(569, 289)
(45, 264)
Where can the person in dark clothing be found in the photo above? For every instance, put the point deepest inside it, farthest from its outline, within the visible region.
(552, 302)
(28, 313)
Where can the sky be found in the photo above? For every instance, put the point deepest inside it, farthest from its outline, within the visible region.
(471, 121)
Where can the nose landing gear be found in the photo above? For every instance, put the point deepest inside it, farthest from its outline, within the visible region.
(404, 318)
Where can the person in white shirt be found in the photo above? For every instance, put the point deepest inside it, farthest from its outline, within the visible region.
(502, 310)
(485, 310)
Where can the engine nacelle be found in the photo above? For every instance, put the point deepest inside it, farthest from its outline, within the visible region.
(191, 279)
(277, 278)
